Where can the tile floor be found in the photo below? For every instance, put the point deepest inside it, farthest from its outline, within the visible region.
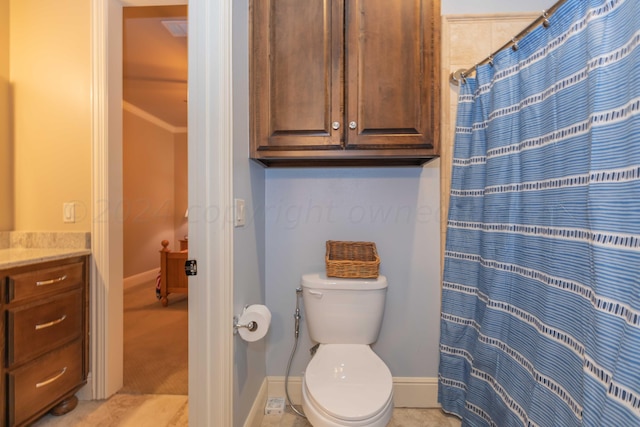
(130, 410)
(124, 410)
(402, 417)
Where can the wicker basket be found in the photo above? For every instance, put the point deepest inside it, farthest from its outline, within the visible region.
(352, 260)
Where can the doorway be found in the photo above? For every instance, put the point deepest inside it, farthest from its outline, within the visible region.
(155, 184)
(210, 124)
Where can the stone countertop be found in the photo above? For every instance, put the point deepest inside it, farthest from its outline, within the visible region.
(20, 248)
(17, 257)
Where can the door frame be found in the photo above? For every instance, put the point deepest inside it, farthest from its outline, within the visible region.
(210, 188)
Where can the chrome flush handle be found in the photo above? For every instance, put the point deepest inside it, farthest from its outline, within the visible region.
(316, 294)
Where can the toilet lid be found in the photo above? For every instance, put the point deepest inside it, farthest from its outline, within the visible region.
(349, 381)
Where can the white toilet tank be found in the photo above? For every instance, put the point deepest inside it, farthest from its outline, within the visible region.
(343, 311)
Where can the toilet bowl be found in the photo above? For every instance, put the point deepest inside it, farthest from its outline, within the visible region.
(347, 385)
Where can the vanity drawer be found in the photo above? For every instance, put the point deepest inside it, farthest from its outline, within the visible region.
(43, 382)
(45, 280)
(34, 329)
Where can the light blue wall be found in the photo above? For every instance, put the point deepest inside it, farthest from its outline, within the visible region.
(398, 209)
(249, 368)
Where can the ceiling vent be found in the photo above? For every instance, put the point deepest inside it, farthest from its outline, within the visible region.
(177, 28)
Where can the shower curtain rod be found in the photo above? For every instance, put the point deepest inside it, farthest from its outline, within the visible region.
(459, 75)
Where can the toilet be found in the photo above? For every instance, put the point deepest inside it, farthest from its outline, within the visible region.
(345, 384)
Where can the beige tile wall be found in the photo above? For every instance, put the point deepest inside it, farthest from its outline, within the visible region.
(466, 40)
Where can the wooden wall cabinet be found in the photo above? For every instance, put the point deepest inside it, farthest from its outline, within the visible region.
(344, 82)
(45, 338)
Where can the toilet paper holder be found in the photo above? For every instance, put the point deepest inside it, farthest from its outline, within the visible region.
(251, 325)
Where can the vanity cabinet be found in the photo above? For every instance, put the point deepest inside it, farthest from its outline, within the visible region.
(343, 82)
(45, 338)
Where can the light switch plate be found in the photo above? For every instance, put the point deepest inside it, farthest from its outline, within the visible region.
(239, 215)
(69, 212)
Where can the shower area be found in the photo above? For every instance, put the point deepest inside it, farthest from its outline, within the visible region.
(540, 322)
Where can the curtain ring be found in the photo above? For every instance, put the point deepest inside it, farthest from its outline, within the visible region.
(545, 22)
(515, 44)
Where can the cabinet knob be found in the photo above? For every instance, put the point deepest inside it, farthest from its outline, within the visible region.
(353, 125)
(335, 125)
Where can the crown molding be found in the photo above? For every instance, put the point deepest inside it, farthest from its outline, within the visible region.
(139, 112)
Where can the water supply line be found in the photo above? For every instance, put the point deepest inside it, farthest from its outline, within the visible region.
(296, 316)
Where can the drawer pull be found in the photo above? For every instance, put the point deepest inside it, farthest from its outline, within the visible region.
(51, 281)
(49, 324)
(52, 379)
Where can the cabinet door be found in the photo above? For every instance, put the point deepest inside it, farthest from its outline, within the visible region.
(296, 72)
(392, 66)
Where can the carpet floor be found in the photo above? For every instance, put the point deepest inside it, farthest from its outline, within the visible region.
(155, 342)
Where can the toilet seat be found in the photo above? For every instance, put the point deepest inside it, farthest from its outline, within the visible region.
(348, 382)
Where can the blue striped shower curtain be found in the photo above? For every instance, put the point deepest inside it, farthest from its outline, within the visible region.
(540, 322)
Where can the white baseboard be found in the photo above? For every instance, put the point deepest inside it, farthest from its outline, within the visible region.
(276, 389)
(140, 278)
(415, 392)
(254, 419)
(408, 392)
